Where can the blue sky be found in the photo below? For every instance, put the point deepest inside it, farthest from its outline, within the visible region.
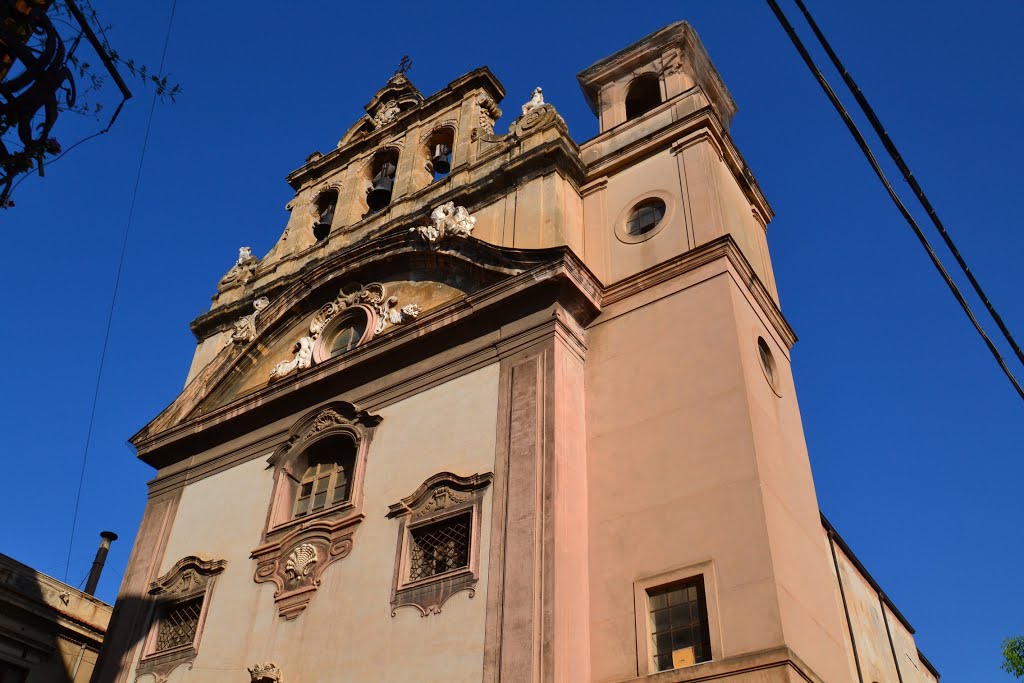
(914, 434)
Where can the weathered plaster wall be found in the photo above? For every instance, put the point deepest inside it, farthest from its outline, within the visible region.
(347, 632)
(882, 641)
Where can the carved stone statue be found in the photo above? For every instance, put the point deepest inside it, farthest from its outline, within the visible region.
(448, 221)
(535, 101)
(242, 271)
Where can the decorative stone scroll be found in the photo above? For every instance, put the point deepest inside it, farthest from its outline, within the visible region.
(245, 327)
(381, 310)
(242, 271)
(190, 579)
(448, 221)
(265, 673)
(488, 113)
(444, 496)
(295, 552)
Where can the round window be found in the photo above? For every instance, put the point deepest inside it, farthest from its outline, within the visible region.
(346, 335)
(645, 216)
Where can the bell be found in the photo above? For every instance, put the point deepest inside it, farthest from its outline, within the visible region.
(441, 161)
(379, 195)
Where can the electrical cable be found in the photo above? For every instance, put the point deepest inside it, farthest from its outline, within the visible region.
(890, 147)
(866, 150)
(113, 298)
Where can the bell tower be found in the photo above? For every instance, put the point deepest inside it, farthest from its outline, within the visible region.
(698, 470)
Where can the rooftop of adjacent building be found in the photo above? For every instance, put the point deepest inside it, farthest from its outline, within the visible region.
(47, 598)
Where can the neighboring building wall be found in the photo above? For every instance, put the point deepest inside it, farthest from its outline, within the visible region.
(879, 639)
(50, 632)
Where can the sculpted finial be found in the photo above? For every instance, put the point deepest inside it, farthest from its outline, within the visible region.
(536, 100)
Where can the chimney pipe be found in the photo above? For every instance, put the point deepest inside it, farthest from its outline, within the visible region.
(97, 564)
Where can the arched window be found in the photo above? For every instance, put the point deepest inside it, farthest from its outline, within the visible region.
(327, 478)
(326, 204)
(382, 179)
(644, 95)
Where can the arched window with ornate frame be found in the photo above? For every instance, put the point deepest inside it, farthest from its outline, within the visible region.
(316, 503)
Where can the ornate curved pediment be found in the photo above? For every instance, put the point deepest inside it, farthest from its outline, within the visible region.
(398, 286)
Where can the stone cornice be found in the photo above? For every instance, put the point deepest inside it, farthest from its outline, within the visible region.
(702, 122)
(721, 247)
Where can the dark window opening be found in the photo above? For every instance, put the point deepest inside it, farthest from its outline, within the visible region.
(382, 179)
(645, 216)
(327, 479)
(679, 624)
(439, 547)
(326, 204)
(644, 95)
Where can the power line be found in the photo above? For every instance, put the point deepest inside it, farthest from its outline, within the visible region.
(866, 150)
(113, 297)
(890, 147)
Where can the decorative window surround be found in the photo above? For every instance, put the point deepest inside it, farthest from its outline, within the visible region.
(294, 552)
(189, 580)
(370, 301)
(444, 496)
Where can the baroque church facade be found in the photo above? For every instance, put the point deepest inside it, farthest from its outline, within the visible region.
(503, 407)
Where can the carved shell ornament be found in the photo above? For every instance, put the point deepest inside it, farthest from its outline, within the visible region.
(373, 296)
(265, 673)
(300, 562)
(447, 220)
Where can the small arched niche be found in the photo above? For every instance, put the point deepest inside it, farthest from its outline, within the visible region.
(643, 95)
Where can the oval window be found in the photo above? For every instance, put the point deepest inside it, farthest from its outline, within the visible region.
(645, 216)
(767, 363)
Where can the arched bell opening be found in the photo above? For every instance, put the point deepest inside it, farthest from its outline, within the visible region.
(644, 94)
(439, 148)
(326, 204)
(382, 171)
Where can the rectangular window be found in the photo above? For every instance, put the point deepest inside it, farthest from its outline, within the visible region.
(439, 547)
(679, 624)
(178, 624)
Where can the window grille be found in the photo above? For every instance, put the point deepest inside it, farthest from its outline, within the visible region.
(178, 624)
(679, 624)
(439, 547)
